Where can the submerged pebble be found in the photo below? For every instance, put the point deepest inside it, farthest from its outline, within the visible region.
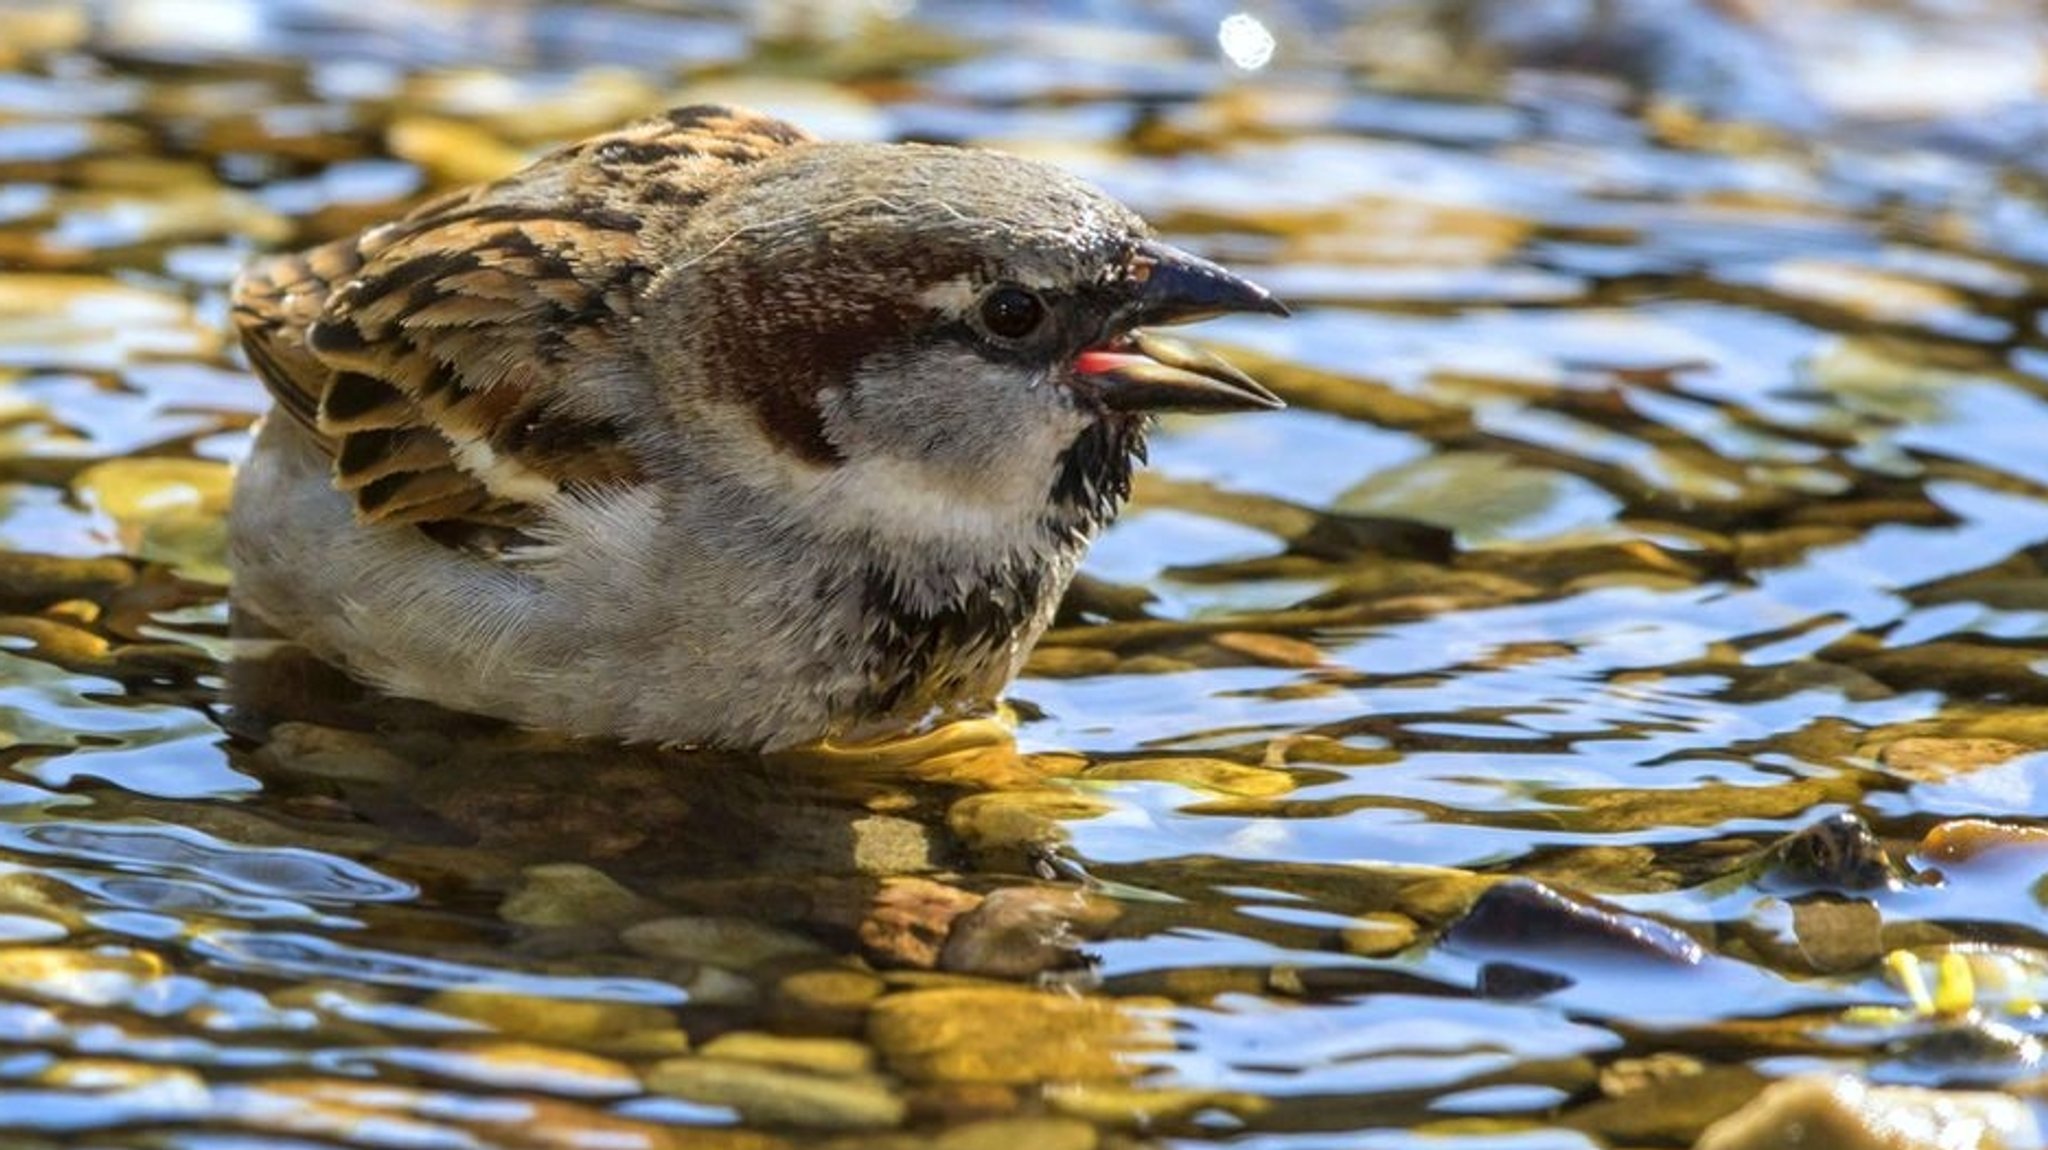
(778, 1096)
(736, 942)
(623, 1029)
(1840, 1111)
(1215, 775)
(1004, 1035)
(1005, 1133)
(1005, 828)
(1929, 759)
(1019, 932)
(818, 1055)
(910, 920)
(1523, 921)
(826, 1000)
(1661, 483)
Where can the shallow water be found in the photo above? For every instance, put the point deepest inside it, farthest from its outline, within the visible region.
(1663, 475)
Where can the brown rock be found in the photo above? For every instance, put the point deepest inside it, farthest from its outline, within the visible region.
(28, 580)
(1823, 1112)
(954, 1103)
(571, 894)
(1019, 932)
(909, 919)
(1930, 759)
(1964, 840)
(1668, 1103)
(1272, 650)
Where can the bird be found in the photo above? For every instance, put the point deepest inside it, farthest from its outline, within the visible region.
(704, 432)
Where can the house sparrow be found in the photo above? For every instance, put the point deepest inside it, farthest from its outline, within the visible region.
(705, 432)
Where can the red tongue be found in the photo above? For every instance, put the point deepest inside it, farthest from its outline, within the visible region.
(1101, 360)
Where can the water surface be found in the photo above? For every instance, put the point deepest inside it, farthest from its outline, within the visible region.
(1663, 476)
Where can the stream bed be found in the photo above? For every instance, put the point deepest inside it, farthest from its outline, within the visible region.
(1614, 684)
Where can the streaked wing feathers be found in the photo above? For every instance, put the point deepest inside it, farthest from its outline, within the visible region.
(451, 362)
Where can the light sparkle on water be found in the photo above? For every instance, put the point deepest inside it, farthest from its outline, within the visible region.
(1246, 41)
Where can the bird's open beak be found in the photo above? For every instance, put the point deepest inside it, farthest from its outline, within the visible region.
(1141, 371)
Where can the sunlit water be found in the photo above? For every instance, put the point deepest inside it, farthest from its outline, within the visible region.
(1664, 474)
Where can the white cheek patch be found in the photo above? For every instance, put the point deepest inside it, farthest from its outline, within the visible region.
(950, 451)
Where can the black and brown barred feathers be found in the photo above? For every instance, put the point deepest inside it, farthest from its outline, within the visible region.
(445, 360)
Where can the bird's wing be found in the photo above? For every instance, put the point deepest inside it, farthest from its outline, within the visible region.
(449, 361)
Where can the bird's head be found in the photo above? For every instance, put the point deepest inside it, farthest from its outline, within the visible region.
(906, 325)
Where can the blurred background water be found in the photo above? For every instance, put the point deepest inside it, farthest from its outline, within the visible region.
(1613, 685)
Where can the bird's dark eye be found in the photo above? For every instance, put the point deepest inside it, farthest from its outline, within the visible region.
(1011, 312)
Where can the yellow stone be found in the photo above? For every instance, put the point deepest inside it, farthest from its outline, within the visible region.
(1378, 934)
(88, 322)
(31, 30)
(58, 643)
(979, 753)
(1005, 817)
(1218, 775)
(1019, 1133)
(822, 1055)
(1138, 1108)
(25, 892)
(1611, 811)
(110, 1074)
(1069, 663)
(108, 976)
(778, 1096)
(1931, 759)
(1013, 1035)
(170, 511)
(623, 1028)
(451, 151)
(163, 213)
(1274, 650)
(832, 987)
(594, 100)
